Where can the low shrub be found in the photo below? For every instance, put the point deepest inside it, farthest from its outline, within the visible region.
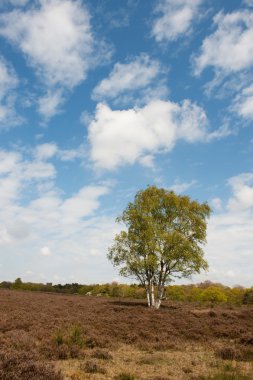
(102, 354)
(92, 366)
(75, 336)
(58, 338)
(62, 352)
(16, 365)
(229, 353)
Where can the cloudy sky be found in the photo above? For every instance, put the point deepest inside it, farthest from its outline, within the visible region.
(100, 98)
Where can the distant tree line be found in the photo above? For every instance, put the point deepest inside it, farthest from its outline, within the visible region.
(205, 292)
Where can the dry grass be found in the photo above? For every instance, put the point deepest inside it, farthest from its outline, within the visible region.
(100, 338)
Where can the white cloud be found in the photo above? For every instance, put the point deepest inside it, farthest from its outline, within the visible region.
(38, 170)
(8, 84)
(142, 73)
(230, 48)
(32, 221)
(230, 235)
(83, 203)
(8, 79)
(175, 18)
(45, 251)
(124, 137)
(147, 161)
(49, 104)
(9, 188)
(45, 151)
(242, 186)
(243, 103)
(8, 161)
(49, 150)
(181, 187)
(18, 230)
(16, 174)
(57, 40)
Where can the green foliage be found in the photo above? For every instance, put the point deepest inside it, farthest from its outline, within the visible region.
(176, 293)
(248, 297)
(164, 238)
(213, 294)
(58, 338)
(235, 295)
(5, 285)
(69, 342)
(190, 293)
(76, 336)
(17, 284)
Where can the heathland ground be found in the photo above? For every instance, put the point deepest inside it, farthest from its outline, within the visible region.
(54, 336)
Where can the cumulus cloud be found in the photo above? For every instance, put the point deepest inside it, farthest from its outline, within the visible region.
(8, 84)
(56, 38)
(230, 234)
(43, 152)
(230, 48)
(124, 137)
(243, 103)
(140, 74)
(57, 41)
(242, 186)
(175, 18)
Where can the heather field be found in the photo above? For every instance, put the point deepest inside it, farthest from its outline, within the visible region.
(53, 336)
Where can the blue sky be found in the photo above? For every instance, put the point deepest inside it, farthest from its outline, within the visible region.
(100, 98)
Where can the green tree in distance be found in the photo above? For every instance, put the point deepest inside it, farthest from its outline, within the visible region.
(163, 239)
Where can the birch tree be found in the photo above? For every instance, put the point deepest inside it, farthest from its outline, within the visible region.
(163, 239)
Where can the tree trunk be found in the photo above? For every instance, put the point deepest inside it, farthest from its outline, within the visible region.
(152, 295)
(148, 295)
(159, 297)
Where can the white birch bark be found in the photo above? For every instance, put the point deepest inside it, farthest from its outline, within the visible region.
(152, 295)
(148, 296)
(159, 298)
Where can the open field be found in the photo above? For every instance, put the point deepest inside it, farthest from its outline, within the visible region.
(104, 338)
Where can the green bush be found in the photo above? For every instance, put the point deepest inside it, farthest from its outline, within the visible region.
(76, 336)
(248, 297)
(213, 294)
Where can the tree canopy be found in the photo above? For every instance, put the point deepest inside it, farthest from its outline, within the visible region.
(164, 238)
